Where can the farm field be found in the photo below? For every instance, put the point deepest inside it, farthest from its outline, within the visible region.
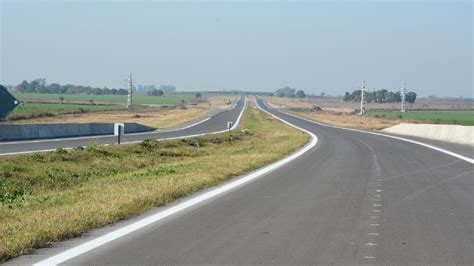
(457, 117)
(57, 108)
(170, 99)
(28, 111)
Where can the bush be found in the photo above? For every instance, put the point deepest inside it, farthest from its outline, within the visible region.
(150, 143)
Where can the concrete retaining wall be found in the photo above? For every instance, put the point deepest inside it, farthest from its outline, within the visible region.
(450, 133)
(9, 132)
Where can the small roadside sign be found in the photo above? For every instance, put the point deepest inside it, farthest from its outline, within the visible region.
(229, 125)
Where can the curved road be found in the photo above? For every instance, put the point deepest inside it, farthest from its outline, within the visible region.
(354, 198)
(215, 123)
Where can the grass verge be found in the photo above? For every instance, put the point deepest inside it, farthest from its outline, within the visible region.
(46, 197)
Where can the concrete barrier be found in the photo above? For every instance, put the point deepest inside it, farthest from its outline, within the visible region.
(450, 133)
(10, 132)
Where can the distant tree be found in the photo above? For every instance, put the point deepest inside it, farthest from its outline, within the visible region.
(347, 97)
(410, 97)
(198, 95)
(155, 92)
(167, 88)
(91, 101)
(286, 92)
(323, 94)
(183, 101)
(300, 94)
(61, 99)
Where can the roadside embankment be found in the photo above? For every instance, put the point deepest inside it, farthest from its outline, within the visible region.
(450, 133)
(47, 197)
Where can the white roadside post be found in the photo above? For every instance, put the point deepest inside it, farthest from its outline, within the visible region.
(119, 130)
(229, 126)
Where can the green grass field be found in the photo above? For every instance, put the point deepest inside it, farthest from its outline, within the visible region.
(456, 117)
(58, 108)
(138, 98)
(37, 110)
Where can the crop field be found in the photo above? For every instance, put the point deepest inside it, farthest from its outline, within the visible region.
(56, 107)
(457, 117)
(171, 99)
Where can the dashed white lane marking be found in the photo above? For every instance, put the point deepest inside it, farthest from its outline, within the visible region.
(378, 190)
(373, 234)
(375, 210)
(374, 224)
(374, 217)
(369, 257)
(370, 244)
(377, 205)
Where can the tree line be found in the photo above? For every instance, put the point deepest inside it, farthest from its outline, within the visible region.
(290, 93)
(40, 86)
(379, 96)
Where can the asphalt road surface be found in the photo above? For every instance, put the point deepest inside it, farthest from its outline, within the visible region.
(354, 198)
(216, 122)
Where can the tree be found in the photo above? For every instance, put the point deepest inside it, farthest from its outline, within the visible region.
(155, 92)
(300, 94)
(198, 95)
(61, 99)
(410, 97)
(286, 92)
(347, 97)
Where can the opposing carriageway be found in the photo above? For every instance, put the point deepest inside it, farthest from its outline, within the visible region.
(212, 124)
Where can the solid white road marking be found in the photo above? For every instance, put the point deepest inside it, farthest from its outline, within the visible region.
(371, 244)
(459, 156)
(95, 243)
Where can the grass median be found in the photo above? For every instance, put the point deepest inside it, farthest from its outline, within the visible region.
(46, 197)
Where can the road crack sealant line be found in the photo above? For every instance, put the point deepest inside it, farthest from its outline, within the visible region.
(131, 134)
(456, 155)
(100, 241)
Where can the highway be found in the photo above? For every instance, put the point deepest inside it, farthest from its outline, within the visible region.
(353, 198)
(215, 123)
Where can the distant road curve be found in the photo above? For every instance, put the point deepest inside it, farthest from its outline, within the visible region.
(214, 124)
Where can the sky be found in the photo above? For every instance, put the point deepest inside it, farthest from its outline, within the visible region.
(317, 46)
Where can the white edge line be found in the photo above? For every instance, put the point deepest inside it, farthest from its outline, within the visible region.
(95, 243)
(129, 142)
(459, 156)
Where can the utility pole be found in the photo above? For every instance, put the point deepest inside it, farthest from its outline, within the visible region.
(130, 92)
(362, 99)
(403, 95)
